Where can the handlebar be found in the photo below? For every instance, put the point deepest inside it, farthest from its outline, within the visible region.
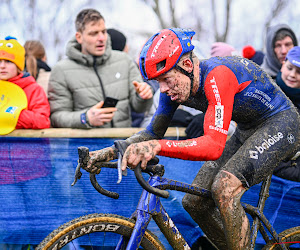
(83, 153)
(121, 146)
(153, 168)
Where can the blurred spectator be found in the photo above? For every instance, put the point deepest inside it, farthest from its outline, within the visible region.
(93, 71)
(36, 63)
(254, 55)
(119, 42)
(280, 39)
(222, 49)
(26, 106)
(289, 81)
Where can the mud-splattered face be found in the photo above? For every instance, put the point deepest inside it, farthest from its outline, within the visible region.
(175, 84)
(290, 75)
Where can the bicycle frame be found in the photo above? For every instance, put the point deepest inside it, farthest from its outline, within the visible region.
(150, 206)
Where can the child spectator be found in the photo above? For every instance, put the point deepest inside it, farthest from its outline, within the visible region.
(36, 62)
(35, 114)
(289, 81)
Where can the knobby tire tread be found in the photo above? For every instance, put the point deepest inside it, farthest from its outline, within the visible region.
(289, 235)
(126, 225)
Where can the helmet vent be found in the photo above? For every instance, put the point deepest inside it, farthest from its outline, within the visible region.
(160, 65)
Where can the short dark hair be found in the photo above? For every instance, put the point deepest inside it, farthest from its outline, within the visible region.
(283, 33)
(86, 16)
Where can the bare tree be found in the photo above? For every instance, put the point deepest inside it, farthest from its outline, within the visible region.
(275, 11)
(156, 7)
(221, 37)
(193, 10)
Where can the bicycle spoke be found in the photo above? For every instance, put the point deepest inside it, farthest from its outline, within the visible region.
(90, 241)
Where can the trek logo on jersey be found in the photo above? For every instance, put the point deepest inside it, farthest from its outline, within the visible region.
(219, 108)
(157, 45)
(181, 144)
(267, 143)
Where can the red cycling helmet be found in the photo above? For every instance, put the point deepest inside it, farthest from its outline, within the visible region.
(163, 51)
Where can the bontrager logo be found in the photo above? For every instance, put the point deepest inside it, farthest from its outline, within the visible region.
(267, 143)
(86, 229)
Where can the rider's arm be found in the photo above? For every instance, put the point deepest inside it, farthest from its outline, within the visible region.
(220, 87)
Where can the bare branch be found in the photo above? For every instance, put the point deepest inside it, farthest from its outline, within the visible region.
(227, 21)
(215, 27)
(172, 10)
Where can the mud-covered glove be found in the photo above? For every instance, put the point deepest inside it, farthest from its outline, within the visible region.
(103, 155)
(195, 128)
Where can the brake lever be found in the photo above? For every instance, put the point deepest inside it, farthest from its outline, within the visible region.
(83, 153)
(121, 146)
(78, 174)
(119, 168)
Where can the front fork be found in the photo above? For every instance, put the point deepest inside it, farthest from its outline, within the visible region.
(150, 205)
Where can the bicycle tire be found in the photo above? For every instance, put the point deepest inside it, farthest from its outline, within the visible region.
(289, 237)
(96, 223)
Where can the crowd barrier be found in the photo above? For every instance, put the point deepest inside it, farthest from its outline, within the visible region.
(37, 168)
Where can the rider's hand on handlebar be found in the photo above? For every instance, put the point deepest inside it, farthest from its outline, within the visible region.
(140, 152)
(103, 155)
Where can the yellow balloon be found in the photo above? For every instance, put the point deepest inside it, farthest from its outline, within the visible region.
(12, 101)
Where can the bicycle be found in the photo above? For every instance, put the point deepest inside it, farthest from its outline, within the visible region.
(132, 233)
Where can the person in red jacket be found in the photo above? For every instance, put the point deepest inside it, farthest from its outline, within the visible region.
(12, 61)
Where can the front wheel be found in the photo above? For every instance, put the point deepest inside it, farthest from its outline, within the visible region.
(93, 231)
(290, 238)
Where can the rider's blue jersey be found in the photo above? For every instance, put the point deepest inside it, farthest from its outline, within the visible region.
(230, 88)
(255, 96)
(261, 97)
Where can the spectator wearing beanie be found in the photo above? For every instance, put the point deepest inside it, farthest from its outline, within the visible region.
(118, 40)
(255, 55)
(222, 49)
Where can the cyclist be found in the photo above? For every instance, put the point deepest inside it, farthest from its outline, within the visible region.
(224, 88)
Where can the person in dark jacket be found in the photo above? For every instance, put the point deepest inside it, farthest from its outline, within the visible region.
(289, 81)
